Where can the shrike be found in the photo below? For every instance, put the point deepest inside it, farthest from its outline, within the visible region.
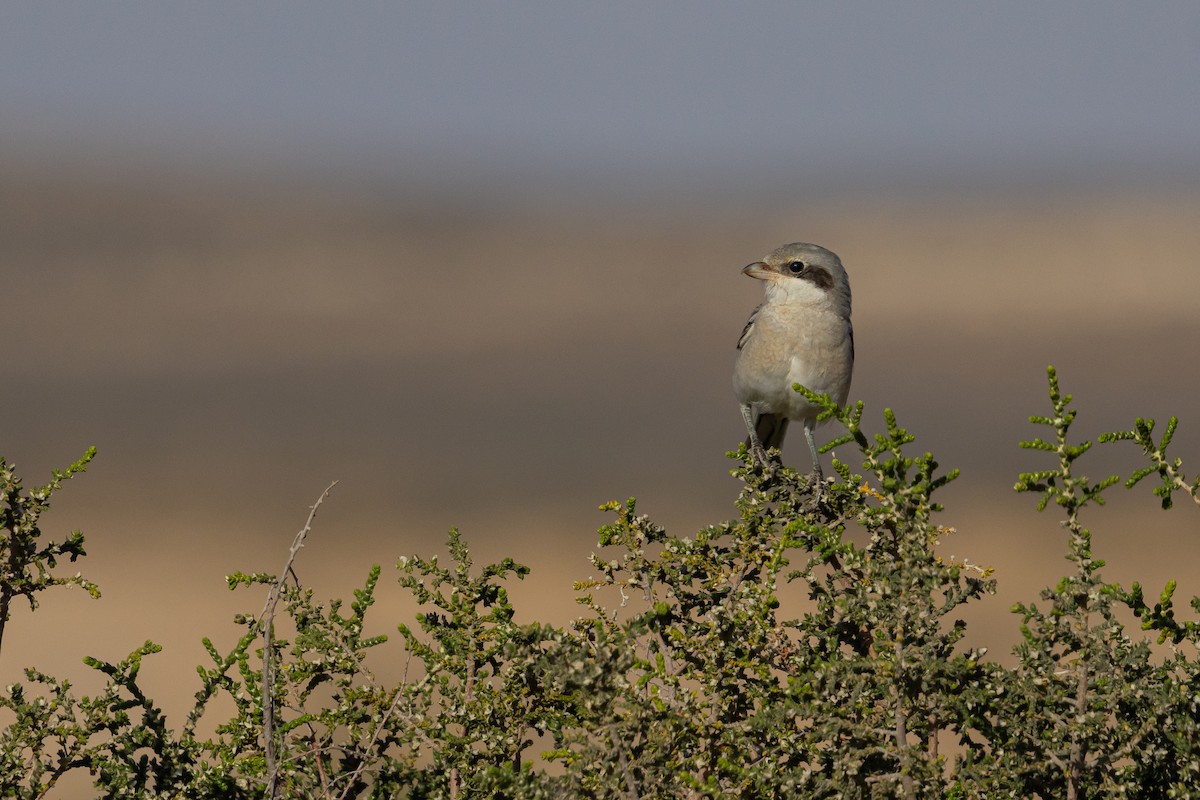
(800, 333)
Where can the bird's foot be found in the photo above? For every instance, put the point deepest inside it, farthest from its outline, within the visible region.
(760, 457)
(815, 483)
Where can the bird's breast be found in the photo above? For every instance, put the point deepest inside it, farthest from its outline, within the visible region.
(809, 346)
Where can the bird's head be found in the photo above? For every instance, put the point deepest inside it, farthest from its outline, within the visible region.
(803, 272)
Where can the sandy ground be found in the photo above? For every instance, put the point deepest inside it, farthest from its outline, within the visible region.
(458, 361)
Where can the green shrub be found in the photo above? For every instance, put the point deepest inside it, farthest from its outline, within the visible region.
(689, 672)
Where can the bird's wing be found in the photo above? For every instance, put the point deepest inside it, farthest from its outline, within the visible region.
(746, 331)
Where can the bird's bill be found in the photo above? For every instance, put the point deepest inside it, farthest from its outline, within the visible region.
(758, 270)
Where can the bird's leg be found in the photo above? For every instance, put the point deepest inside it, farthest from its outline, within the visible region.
(756, 448)
(818, 476)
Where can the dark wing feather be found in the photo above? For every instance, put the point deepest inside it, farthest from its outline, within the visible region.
(749, 326)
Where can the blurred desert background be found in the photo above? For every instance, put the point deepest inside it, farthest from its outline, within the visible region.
(482, 267)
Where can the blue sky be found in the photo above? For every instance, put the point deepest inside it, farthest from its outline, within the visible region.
(617, 91)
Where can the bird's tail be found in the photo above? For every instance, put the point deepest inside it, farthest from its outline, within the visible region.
(771, 429)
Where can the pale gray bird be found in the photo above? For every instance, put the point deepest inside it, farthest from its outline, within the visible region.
(800, 333)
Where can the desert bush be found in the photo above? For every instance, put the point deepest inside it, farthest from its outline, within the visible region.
(689, 672)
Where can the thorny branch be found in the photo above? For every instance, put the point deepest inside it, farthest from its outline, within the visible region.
(267, 621)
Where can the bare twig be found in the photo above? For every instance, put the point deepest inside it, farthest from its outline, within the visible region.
(267, 620)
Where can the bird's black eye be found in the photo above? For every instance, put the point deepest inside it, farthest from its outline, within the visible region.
(796, 267)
